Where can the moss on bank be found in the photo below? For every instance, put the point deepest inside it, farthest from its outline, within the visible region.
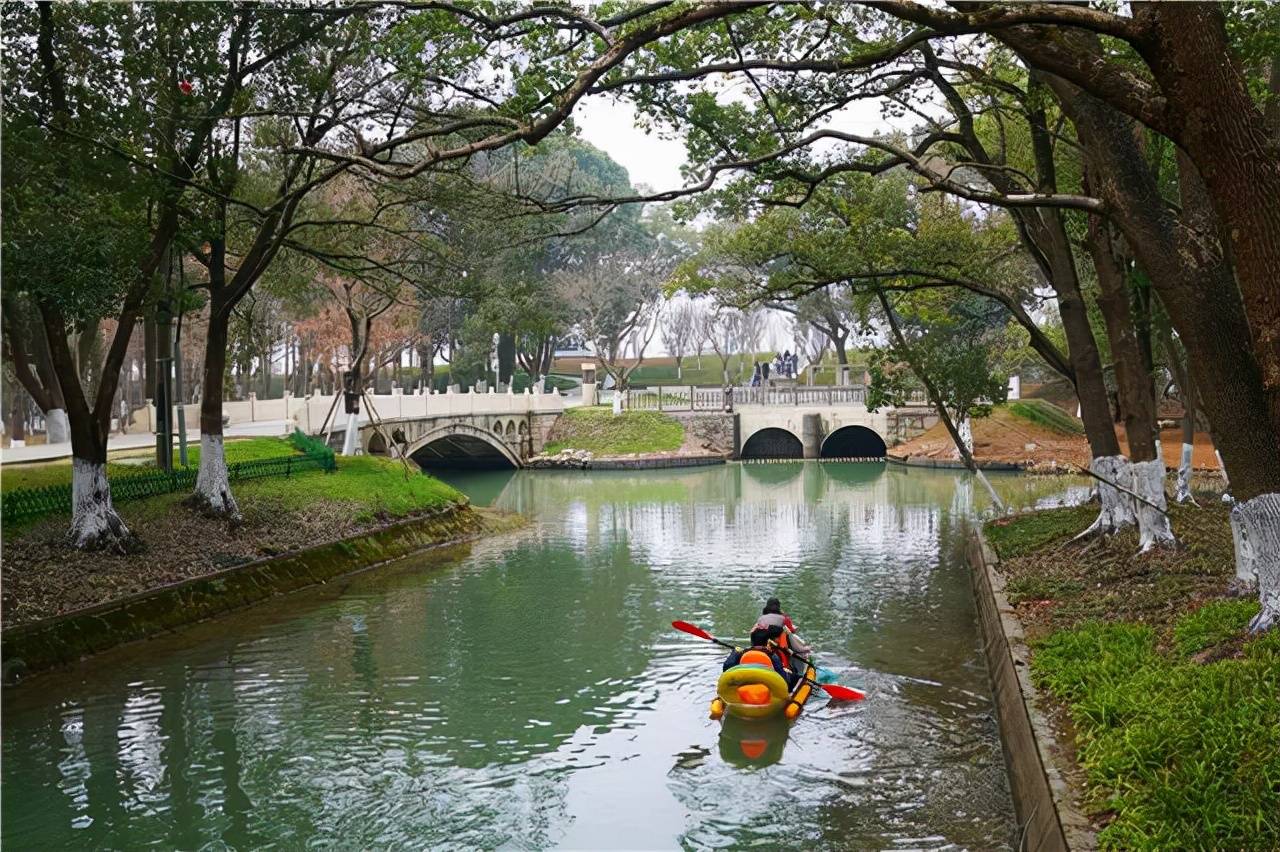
(1175, 712)
(599, 431)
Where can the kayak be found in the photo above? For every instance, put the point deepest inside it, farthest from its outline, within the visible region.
(756, 691)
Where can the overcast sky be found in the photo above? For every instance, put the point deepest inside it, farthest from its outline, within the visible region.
(655, 162)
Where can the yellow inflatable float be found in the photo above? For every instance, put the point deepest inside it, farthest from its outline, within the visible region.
(754, 690)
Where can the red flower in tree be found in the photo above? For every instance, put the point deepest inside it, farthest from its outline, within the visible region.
(185, 87)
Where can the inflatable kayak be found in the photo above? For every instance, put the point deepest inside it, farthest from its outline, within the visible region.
(755, 691)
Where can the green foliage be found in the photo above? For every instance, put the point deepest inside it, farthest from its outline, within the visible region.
(1185, 756)
(601, 432)
(1213, 623)
(1031, 531)
(955, 342)
(1048, 415)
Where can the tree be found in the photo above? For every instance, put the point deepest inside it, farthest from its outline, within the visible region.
(679, 327)
(951, 346)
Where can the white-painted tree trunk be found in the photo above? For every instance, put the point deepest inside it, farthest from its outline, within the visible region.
(94, 522)
(1183, 492)
(1117, 510)
(965, 428)
(1226, 480)
(991, 492)
(617, 402)
(57, 427)
(349, 443)
(213, 485)
(1245, 581)
(1153, 524)
(1258, 524)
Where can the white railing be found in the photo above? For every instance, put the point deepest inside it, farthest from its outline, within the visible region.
(308, 412)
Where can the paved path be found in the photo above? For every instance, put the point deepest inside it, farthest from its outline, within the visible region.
(139, 440)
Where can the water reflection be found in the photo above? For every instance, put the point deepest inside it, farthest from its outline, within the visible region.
(529, 691)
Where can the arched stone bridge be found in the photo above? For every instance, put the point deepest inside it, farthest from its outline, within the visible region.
(839, 431)
(453, 429)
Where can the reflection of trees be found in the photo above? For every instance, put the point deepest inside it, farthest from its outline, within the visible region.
(468, 674)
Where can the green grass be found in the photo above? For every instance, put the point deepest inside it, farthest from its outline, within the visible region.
(380, 487)
(376, 487)
(597, 429)
(1048, 415)
(1212, 624)
(1180, 755)
(58, 472)
(1013, 537)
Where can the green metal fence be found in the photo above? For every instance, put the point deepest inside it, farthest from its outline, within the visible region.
(25, 503)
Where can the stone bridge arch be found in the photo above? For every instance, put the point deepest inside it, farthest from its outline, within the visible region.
(772, 442)
(459, 444)
(859, 442)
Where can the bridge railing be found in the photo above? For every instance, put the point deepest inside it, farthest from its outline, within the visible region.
(677, 398)
(800, 395)
(693, 398)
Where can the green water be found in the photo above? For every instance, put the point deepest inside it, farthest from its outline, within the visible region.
(528, 691)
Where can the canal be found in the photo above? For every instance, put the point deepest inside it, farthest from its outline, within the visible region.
(528, 691)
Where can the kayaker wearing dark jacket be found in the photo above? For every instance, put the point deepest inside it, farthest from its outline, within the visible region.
(773, 616)
(760, 642)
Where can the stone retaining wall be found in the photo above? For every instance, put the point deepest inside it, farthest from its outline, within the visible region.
(1042, 798)
(40, 645)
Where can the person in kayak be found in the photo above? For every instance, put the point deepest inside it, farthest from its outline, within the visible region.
(762, 639)
(773, 616)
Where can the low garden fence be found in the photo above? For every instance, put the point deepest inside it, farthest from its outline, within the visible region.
(23, 503)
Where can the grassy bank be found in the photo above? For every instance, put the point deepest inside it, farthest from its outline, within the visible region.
(43, 577)
(599, 431)
(1174, 710)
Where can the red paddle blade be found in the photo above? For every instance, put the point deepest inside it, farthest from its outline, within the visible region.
(843, 693)
(692, 629)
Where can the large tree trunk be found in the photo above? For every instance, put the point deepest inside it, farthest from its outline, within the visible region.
(17, 421)
(1136, 393)
(95, 525)
(1227, 138)
(1255, 525)
(1195, 282)
(212, 493)
(1190, 271)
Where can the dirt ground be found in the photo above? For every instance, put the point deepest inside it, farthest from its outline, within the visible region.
(1005, 437)
(43, 577)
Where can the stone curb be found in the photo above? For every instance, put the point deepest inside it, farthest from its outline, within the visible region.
(1042, 800)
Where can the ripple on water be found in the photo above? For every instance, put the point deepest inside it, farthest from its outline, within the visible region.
(532, 694)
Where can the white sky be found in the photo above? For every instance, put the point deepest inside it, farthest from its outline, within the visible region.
(655, 162)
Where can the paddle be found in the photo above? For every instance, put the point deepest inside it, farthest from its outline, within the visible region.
(841, 693)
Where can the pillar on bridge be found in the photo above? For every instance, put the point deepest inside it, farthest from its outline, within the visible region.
(811, 435)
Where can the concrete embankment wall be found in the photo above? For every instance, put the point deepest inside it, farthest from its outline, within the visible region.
(41, 645)
(1042, 797)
